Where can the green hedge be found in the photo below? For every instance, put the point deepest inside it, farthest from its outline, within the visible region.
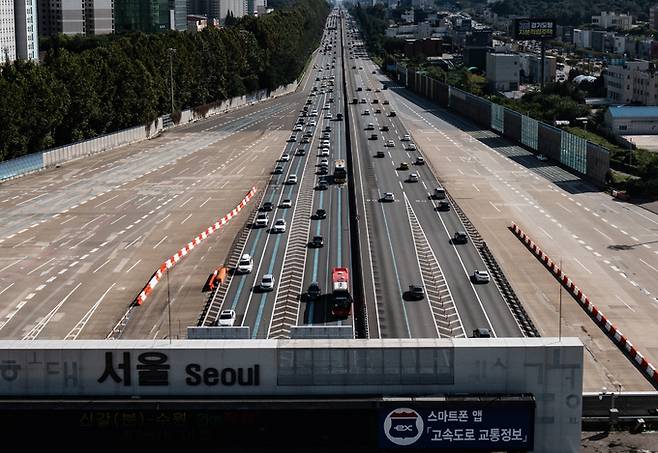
(91, 86)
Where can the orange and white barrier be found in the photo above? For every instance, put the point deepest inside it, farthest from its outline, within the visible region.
(182, 253)
(604, 323)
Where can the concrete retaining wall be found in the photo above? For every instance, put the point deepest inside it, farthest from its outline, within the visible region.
(30, 163)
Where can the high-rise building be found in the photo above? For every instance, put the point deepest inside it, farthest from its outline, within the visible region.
(7, 31)
(653, 16)
(99, 15)
(27, 36)
(150, 16)
(178, 14)
(62, 16)
(218, 9)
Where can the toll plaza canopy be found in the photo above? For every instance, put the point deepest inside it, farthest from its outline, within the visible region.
(540, 380)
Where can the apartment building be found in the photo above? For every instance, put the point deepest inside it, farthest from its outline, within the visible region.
(613, 20)
(76, 17)
(7, 31)
(634, 81)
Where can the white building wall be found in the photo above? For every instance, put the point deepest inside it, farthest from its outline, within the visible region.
(7, 31)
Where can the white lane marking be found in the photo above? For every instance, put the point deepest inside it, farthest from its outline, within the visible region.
(69, 219)
(203, 204)
(603, 234)
(161, 240)
(10, 285)
(649, 265)
(116, 220)
(185, 202)
(185, 219)
(475, 187)
(495, 207)
(622, 301)
(132, 267)
(51, 279)
(582, 265)
(132, 243)
(106, 201)
(546, 233)
(99, 267)
(36, 330)
(33, 198)
(12, 264)
(75, 332)
(565, 208)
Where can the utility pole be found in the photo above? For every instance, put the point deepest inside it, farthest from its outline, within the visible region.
(559, 325)
(171, 51)
(169, 306)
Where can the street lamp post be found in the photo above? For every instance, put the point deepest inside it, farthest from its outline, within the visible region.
(171, 51)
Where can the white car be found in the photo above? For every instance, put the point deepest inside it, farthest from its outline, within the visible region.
(324, 152)
(328, 115)
(314, 113)
(325, 144)
(226, 318)
(267, 282)
(262, 220)
(411, 147)
(246, 264)
(293, 138)
(292, 179)
(285, 157)
(312, 123)
(390, 144)
(279, 226)
(406, 138)
(481, 277)
(413, 177)
(370, 127)
(389, 196)
(287, 203)
(297, 128)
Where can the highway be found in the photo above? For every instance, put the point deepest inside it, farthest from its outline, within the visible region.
(607, 247)
(287, 256)
(409, 240)
(80, 242)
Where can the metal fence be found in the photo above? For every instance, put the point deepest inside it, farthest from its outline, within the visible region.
(586, 159)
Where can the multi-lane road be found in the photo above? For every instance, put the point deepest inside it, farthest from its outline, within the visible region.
(79, 242)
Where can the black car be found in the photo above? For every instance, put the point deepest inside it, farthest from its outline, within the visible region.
(481, 332)
(379, 154)
(384, 128)
(321, 186)
(416, 292)
(443, 206)
(267, 206)
(320, 214)
(313, 291)
(316, 242)
(391, 113)
(460, 237)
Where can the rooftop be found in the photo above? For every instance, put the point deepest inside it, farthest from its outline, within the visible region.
(634, 112)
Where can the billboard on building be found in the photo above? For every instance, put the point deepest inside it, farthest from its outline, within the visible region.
(534, 29)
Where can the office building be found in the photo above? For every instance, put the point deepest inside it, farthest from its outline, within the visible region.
(7, 31)
(613, 20)
(503, 71)
(151, 16)
(27, 36)
(99, 17)
(633, 81)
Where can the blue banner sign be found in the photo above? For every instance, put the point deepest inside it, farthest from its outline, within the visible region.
(491, 424)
